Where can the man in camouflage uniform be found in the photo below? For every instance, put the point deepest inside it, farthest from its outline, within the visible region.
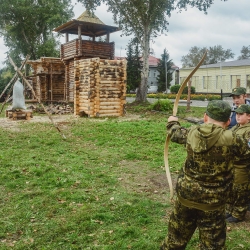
(239, 97)
(238, 201)
(203, 185)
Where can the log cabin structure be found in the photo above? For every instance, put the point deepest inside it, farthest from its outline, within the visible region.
(86, 73)
(100, 87)
(48, 79)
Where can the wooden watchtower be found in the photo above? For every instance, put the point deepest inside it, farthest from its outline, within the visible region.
(94, 81)
(90, 26)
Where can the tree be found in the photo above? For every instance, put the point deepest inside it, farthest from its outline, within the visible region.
(245, 53)
(145, 20)
(26, 26)
(214, 55)
(133, 65)
(161, 68)
(5, 77)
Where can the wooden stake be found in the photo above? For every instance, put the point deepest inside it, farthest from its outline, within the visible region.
(14, 78)
(34, 94)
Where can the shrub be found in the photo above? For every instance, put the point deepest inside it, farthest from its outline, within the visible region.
(200, 97)
(162, 105)
(175, 88)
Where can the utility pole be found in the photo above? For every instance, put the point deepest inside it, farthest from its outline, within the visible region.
(166, 71)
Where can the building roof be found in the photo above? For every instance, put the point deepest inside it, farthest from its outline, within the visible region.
(90, 24)
(236, 63)
(153, 61)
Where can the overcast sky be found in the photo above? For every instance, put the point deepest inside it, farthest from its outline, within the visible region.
(226, 24)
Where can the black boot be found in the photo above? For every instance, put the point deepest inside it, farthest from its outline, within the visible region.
(233, 220)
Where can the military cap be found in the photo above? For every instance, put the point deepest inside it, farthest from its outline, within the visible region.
(244, 108)
(219, 110)
(238, 91)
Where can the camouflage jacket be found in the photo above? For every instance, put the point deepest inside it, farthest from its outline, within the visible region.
(242, 166)
(233, 114)
(207, 174)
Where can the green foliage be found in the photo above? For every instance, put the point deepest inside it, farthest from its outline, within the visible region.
(104, 186)
(175, 88)
(245, 53)
(161, 67)
(199, 97)
(26, 26)
(145, 20)
(5, 77)
(133, 65)
(214, 55)
(162, 105)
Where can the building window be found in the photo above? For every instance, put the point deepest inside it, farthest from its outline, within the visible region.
(221, 82)
(154, 73)
(195, 82)
(235, 81)
(207, 82)
(182, 79)
(248, 83)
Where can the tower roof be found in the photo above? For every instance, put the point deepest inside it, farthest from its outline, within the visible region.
(86, 16)
(90, 24)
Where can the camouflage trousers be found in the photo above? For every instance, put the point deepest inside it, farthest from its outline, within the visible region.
(183, 223)
(238, 201)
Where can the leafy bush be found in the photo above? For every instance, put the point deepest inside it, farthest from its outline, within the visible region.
(199, 97)
(162, 105)
(175, 88)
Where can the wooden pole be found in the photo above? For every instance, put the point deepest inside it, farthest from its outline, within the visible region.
(189, 96)
(14, 78)
(34, 94)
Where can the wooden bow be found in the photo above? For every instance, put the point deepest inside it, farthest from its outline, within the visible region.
(175, 108)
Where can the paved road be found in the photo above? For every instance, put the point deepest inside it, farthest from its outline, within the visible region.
(183, 103)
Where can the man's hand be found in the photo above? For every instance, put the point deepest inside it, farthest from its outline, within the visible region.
(172, 118)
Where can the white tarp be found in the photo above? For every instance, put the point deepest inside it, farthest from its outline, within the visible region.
(18, 96)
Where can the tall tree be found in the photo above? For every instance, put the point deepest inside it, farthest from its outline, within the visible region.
(145, 20)
(164, 64)
(215, 54)
(5, 77)
(133, 65)
(26, 26)
(245, 53)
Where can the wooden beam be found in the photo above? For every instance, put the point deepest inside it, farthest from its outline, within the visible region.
(34, 94)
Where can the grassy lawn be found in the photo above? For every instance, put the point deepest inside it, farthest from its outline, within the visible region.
(103, 187)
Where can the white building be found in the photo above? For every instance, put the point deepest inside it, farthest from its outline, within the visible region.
(219, 77)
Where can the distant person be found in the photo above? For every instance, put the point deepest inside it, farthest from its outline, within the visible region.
(239, 97)
(205, 180)
(238, 201)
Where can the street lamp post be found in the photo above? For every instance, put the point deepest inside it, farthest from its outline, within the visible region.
(166, 71)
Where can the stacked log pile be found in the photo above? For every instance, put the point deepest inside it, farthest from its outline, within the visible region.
(100, 87)
(61, 109)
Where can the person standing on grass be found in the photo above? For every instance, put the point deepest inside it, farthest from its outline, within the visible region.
(239, 97)
(205, 180)
(239, 199)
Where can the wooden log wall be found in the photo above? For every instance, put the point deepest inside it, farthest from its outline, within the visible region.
(87, 49)
(100, 87)
(69, 49)
(48, 78)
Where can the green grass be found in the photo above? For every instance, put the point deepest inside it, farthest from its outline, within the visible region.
(103, 187)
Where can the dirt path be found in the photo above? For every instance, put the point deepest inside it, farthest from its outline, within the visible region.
(13, 125)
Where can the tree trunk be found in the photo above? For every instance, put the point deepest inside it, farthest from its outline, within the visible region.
(141, 95)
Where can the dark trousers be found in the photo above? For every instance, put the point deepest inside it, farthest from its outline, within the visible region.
(184, 221)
